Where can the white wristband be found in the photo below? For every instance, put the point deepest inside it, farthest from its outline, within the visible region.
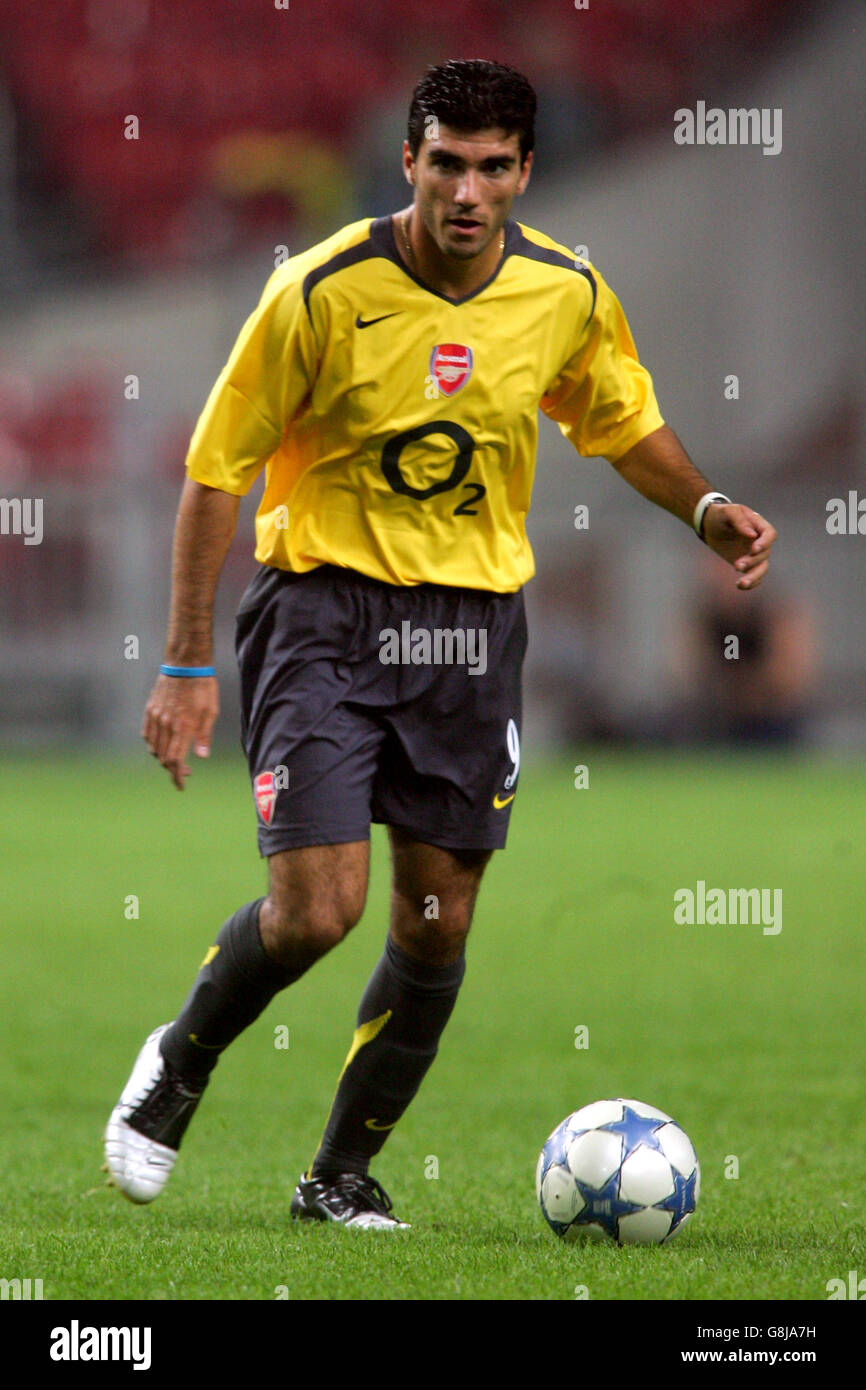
(701, 509)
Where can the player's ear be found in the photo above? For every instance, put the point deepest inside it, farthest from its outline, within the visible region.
(524, 173)
(408, 164)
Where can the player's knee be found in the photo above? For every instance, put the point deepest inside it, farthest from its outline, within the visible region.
(434, 928)
(300, 933)
(449, 911)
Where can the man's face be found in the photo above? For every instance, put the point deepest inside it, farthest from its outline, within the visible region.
(465, 185)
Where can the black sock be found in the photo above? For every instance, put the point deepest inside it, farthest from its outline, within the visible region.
(236, 982)
(403, 1011)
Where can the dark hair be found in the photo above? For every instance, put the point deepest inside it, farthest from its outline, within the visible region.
(470, 94)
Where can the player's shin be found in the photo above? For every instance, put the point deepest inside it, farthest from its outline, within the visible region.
(403, 1012)
(236, 982)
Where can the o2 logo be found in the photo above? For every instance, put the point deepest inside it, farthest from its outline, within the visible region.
(459, 468)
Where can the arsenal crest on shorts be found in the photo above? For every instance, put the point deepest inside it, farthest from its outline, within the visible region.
(451, 367)
(265, 793)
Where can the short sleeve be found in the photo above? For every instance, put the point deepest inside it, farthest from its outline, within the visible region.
(268, 376)
(603, 399)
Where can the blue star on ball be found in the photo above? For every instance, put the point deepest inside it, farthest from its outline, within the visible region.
(604, 1206)
(635, 1130)
(681, 1201)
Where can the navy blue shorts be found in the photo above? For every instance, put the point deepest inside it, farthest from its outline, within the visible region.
(365, 701)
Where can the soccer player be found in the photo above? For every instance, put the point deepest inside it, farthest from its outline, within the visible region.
(388, 384)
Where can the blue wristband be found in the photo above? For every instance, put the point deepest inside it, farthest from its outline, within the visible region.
(187, 671)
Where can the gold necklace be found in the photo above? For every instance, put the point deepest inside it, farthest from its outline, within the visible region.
(404, 221)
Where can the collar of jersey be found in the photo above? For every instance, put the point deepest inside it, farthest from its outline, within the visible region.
(384, 243)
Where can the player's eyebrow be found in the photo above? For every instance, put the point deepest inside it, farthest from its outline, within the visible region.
(447, 157)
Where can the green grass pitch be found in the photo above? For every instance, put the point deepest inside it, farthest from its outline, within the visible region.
(753, 1042)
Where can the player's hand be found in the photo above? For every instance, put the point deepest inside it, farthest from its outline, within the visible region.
(181, 711)
(743, 538)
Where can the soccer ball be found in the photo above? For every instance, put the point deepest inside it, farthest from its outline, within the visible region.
(618, 1169)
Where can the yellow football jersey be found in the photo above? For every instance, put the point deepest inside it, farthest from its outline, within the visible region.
(397, 427)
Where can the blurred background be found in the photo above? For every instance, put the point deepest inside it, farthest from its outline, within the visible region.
(129, 264)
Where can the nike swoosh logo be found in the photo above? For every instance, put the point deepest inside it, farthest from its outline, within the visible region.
(368, 323)
(374, 1124)
(498, 803)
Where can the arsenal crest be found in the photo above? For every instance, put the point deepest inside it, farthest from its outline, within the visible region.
(451, 367)
(265, 793)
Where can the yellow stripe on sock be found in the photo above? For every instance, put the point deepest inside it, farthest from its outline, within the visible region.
(362, 1035)
(366, 1033)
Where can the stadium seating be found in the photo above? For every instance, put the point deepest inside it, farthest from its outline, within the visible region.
(196, 73)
